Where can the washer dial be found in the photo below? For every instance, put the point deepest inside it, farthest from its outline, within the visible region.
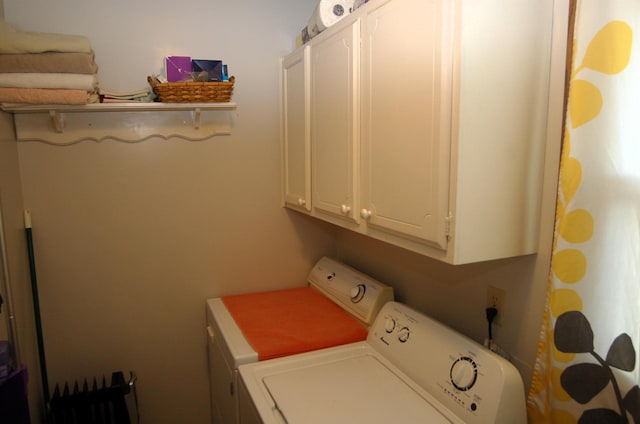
(390, 325)
(403, 334)
(464, 373)
(357, 293)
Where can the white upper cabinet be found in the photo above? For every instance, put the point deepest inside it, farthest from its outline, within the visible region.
(428, 124)
(296, 130)
(406, 115)
(335, 123)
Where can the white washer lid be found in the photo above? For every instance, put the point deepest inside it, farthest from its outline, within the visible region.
(357, 389)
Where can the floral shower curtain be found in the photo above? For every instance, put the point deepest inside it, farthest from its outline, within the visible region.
(587, 367)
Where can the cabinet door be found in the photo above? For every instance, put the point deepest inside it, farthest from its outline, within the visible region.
(406, 90)
(296, 130)
(335, 123)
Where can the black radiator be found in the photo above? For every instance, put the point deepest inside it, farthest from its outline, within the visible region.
(98, 404)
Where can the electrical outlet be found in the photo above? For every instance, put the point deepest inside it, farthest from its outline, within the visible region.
(495, 299)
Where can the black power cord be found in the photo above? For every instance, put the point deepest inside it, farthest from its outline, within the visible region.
(491, 314)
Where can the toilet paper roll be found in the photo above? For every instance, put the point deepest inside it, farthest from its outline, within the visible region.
(327, 13)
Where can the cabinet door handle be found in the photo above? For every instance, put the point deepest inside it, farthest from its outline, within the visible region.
(365, 213)
(345, 209)
(301, 201)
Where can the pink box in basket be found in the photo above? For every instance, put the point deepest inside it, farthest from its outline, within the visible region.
(178, 68)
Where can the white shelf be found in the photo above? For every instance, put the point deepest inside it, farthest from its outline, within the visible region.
(117, 107)
(125, 122)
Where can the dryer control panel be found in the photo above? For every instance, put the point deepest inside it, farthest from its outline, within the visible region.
(359, 294)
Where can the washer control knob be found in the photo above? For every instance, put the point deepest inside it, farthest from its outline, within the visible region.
(403, 334)
(390, 325)
(464, 373)
(357, 292)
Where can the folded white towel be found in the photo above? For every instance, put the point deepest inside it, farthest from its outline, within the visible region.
(143, 92)
(87, 82)
(14, 41)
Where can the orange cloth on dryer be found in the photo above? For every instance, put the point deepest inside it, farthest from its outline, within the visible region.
(285, 322)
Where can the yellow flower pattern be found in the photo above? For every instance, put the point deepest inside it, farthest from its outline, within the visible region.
(607, 53)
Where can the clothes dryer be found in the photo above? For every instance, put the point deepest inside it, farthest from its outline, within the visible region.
(336, 307)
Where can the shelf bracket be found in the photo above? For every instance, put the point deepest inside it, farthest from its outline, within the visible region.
(57, 120)
(195, 113)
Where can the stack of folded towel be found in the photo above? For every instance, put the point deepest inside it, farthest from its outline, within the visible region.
(44, 68)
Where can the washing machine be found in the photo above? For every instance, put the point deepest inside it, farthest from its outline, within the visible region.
(336, 307)
(410, 369)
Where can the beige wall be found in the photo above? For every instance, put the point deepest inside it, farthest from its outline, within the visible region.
(456, 295)
(19, 283)
(132, 238)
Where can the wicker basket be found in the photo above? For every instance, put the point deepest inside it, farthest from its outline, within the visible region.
(192, 92)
